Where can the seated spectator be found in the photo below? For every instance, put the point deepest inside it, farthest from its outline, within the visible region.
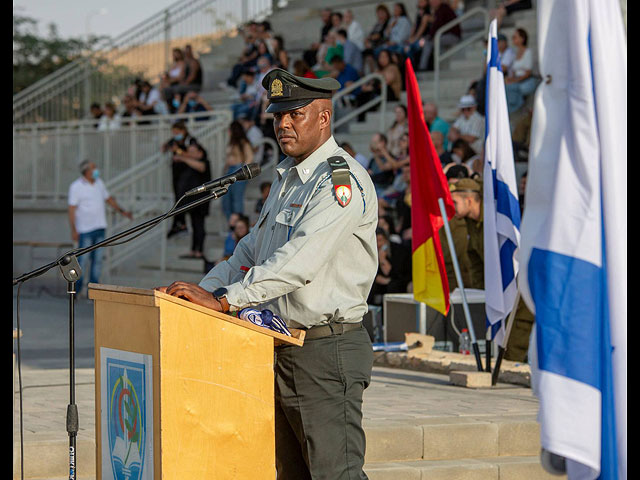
(398, 129)
(393, 83)
(280, 55)
(193, 102)
(469, 125)
(239, 226)
(263, 51)
(327, 51)
(193, 72)
(255, 136)
(351, 52)
(95, 113)
(403, 209)
(507, 55)
(376, 37)
(343, 72)
(247, 60)
(131, 110)
(354, 30)
(248, 103)
(455, 172)
(336, 20)
(398, 31)
(301, 69)
(361, 159)
(173, 77)
(110, 120)
(387, 224)
(265, 188)
(460, 153)
(264, 33)
(394, 268)
(442, 14)
(435, 123)
(382, 166)
(519, 82)
(310, 55)
(420, 28)
(150, 101)
(393, 192)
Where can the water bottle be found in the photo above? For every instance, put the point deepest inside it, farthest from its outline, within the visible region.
(465, 342)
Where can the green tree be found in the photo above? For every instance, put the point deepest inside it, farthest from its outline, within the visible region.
(35, 56)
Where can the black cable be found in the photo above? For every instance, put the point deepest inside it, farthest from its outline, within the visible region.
(20, 384)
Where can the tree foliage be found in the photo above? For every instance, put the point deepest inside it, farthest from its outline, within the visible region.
(35, 56)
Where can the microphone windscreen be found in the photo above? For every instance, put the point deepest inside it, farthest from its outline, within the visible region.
(251, 170)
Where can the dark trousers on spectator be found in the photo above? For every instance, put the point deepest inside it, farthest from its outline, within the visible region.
(446, 40)
(197, 224)
(318, 396)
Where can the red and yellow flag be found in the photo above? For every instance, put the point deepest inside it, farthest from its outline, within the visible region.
(428, 183)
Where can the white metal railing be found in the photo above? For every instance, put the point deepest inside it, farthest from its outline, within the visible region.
(46, 155)
(379, 100)
(146, 190)
(156, 239)
(142, 51)
(440, 57)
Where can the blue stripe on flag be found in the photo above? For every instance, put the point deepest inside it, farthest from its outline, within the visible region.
(567, 295)
(608, 434)
(506, 263)
(507, 203)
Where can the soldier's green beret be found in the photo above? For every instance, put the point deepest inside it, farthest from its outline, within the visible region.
(288, 92)
(465, 185)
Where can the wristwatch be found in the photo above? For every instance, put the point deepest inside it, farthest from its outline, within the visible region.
(220, 294)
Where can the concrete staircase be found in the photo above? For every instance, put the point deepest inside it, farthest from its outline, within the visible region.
(488, 447)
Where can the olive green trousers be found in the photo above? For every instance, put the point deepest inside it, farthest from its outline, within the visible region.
(318, 396)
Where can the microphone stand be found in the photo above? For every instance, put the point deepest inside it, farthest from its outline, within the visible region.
(71, 272)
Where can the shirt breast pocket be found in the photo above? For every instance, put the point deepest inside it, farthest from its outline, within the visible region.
(284, 225)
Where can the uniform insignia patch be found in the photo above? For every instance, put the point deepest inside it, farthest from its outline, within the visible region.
(343, 194)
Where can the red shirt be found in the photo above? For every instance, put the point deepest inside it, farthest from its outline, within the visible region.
(309, 74)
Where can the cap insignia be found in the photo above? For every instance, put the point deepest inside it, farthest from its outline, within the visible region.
(276, 88)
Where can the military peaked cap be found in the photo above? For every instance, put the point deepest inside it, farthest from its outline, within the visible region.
(288, 92)
(465, 185)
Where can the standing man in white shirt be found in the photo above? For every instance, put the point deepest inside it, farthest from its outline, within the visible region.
(87, 216)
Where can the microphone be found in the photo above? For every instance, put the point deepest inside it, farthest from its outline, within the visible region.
(245, 173)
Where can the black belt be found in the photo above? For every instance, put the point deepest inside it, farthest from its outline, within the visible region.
(320, 331)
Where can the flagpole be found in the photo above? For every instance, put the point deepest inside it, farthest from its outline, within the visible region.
(487, 351)
(456, 268)
(503, 348)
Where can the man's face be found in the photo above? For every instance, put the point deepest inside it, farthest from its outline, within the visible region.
(88, 173)
(298, 131)
(325, 15)
(502, 45)
(348, 17)
(462, 204)
(430, 112)
(380, 241)
(468, 111)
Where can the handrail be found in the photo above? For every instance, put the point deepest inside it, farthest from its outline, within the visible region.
(382, 99)
(67, 92)
(437, 57)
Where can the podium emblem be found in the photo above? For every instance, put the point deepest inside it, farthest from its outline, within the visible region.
(127, 413)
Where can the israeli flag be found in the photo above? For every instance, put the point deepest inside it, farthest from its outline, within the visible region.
(574, 236)
(501, 206)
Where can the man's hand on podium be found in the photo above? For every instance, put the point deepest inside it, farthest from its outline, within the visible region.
(193, 293)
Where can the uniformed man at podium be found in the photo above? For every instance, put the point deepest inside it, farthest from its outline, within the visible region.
(311, 258)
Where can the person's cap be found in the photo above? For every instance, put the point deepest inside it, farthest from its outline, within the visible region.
(465, 185)
(467, 101)
(502, 37)
(289, 92)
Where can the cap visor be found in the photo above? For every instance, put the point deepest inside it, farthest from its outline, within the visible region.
(291, 105)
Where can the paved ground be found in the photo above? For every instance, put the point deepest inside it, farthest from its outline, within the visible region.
(395, 396)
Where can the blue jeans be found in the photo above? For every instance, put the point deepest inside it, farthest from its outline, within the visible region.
(86, 240)
(233, 201)
(517, 92)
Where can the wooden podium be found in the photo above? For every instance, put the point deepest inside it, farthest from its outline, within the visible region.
(182, 391)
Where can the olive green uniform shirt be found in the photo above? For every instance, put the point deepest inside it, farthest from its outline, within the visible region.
(310, 260)
(475, 250)
(458, 227)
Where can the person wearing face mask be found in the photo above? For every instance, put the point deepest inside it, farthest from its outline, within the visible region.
(87, 217)
(193, 102)
(189, 168)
